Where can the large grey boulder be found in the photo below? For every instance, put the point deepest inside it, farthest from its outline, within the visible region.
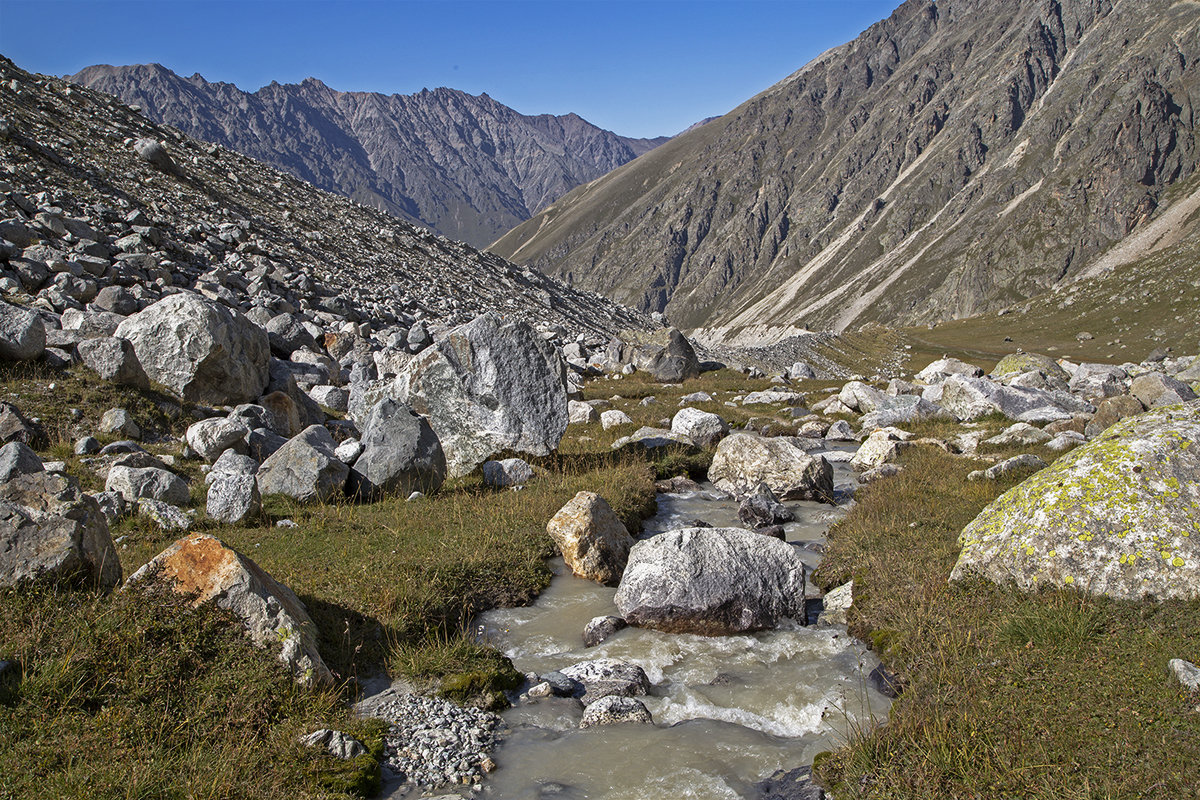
(1112, 410)
(761, 509)
(205, 569)
(304, 468)
(22, 333)
(114, 360)
(232, 498)
(51, 532)
(201, 350)
(209, 438)
(971, 398)
(744, 460)
(1095, 382)
(704, 429)
(593, 540)
(136, 483)
(486, 387)
(400, 454)
(673, 362)
(711, 581)
(580, 413)
(1017, 363)
(1116, 516)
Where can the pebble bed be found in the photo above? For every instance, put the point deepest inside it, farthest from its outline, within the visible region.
(433, 742)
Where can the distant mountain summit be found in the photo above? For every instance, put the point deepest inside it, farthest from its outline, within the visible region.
(958, 157)
(469, 167)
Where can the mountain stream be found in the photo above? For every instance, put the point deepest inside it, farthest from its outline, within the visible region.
(728, 711)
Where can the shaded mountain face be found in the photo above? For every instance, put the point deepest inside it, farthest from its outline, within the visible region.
(468, 167)
(955, 158)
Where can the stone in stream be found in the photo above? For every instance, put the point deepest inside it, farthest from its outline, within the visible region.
(605, 677)
(711, 581)
(600, 629)
(744, 460)
(795, 784)
(614, 710)
(204, 568)
(1116, 516)
(593, 540)
(761, 509)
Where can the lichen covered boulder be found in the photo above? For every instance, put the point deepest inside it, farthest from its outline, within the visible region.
(1119, 516)
(205, 569)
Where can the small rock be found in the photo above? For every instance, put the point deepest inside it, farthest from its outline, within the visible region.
(613, 710)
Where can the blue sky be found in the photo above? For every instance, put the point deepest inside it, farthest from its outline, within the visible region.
(644, 68)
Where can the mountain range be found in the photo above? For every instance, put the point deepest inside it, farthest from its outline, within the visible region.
(466, 166)
(958, 157)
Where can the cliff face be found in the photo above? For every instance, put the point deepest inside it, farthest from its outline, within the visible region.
(468, 167)
(953, 159)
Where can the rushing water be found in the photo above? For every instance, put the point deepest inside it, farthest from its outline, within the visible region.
(728, 711)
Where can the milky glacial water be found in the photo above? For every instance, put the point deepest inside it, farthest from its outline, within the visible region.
(728, 711)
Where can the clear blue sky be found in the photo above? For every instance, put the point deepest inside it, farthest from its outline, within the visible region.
(644, 68)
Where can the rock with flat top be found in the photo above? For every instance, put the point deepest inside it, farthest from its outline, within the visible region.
(744, 460)
(711, 581)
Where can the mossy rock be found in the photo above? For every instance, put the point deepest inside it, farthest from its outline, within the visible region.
(1016, 363)
(1119, 516)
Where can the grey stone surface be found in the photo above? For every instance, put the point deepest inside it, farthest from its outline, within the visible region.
(400, 454)
(703, 428)
(507, 472)
(114, 360)
(233, 498)
(199, 349)
(211, 437)
(743, 460)
(615, 710)
(17, 459)
(485, 387)
(51, 532)
(711, 581)
(22, 333)
(136, 483)
(304, 468)
(607, 677)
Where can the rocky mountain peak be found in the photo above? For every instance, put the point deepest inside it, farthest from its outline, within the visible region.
(467, 166)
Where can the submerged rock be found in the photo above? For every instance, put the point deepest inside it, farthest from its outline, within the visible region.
(1118, 516)
(711, 581)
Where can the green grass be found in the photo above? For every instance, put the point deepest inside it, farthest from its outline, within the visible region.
(132, 695)
(1008, 695)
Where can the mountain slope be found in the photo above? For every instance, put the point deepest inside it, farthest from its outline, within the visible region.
(953, 159)
(224, 217)
(468, 167)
